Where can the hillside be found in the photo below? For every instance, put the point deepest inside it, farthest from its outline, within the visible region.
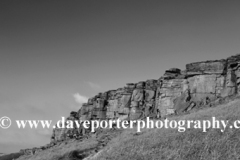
(10, 156)
(159, 144)
(200, 85)
(169, 144)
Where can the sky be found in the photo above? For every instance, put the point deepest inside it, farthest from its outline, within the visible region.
(56, 54)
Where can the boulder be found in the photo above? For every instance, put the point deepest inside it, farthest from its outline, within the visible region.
(103, 95)
(206, 67)
(151, 84)
(130, 86)
(119, 93)
(91, 101)
(128, 89)
(74, 114)
(233, 61)
(173, 73)
(140, 85)
(111, 94)
(174, 70)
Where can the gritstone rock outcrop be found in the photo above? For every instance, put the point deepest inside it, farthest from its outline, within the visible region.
(176, 92)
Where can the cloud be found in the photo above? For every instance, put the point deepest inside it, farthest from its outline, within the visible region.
(94, 85)
(79, 98)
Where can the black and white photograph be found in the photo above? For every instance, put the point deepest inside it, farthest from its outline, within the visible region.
(120, 80)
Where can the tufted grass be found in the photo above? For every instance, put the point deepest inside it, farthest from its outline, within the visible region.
(60, 151)
(169, 144)
(164, 144)
(10, 156)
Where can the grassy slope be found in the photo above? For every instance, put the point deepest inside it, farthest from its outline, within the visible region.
(165, 144)
(61, 151)
(10, 156)
(85, 147)
(169, 144)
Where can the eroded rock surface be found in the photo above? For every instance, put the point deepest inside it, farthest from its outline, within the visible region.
(176, 92)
